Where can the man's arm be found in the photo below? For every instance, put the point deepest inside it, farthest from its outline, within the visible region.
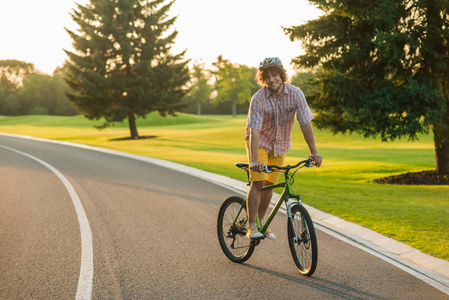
(255, 165)
(307, 131)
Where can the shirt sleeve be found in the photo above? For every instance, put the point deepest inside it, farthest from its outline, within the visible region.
(255, 115)
(303, 112)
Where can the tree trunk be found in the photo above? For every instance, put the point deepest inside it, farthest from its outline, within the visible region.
(436, 44)
(234, 108)
(133, 126)
(199, 108)
(441, 138)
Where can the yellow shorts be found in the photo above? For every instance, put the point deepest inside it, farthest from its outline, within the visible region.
(267, 159)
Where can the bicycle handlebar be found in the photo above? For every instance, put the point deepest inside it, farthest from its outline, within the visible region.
(269, 168)
(307, 163)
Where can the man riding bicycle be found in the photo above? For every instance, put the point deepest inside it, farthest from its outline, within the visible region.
(269, 135)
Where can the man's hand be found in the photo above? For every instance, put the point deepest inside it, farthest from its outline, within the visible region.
(256, 166)
(316, 158)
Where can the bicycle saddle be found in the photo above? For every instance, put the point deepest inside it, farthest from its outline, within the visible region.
(242, 165)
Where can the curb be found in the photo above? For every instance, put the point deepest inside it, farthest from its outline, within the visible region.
(432, 270)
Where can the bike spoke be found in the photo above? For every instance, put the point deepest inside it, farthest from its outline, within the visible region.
(303, 246)
(232, 236)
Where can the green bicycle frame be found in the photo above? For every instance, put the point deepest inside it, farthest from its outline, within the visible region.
(286, 193)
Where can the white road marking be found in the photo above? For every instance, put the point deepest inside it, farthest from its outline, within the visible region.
(85, 280)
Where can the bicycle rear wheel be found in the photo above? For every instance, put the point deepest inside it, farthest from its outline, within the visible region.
(303, 242)
(232, 236)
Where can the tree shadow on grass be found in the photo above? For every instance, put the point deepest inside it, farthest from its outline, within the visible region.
(416, 178)
(128, 138)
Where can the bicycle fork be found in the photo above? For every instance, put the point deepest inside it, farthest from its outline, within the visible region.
(289, 205)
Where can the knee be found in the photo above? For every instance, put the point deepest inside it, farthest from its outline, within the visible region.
(267, 183)
(257, 185)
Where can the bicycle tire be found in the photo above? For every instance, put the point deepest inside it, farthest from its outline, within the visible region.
(234, 243)
(305, 249)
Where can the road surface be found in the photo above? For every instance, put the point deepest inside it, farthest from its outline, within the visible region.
(153, 236)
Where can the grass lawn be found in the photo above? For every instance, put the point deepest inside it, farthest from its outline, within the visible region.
(415, 215)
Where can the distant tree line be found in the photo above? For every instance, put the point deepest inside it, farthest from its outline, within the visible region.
(24, 91)
(225, 88)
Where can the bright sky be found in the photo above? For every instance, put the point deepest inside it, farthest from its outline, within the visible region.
(243, 31)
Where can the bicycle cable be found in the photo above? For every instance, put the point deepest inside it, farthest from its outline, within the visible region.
(292, 175)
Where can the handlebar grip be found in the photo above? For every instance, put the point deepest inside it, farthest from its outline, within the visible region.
(268, 169)
(309, 163)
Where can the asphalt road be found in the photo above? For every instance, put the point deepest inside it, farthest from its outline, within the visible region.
(154, 237)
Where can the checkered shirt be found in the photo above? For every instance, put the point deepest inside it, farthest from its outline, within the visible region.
(274, 117)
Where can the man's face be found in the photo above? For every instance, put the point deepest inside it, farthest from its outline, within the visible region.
(273, 80)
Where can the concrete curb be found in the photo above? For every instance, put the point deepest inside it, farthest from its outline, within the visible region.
(434, 271)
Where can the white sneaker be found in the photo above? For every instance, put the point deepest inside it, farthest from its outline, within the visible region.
(253, 232)
(268, 233)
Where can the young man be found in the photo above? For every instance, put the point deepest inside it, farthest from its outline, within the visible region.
(269, 135)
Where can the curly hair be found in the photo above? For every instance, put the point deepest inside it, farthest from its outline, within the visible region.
(261, 74)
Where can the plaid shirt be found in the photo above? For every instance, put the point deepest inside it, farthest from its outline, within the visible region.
(274, 117)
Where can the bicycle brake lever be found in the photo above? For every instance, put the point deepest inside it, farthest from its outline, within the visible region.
(268, 170)
(309, 163)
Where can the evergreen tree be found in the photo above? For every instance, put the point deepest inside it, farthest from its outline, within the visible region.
(63, 106)
(304, 80)
(385, 68)
(122, 67)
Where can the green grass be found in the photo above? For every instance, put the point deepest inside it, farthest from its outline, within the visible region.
(415, 215)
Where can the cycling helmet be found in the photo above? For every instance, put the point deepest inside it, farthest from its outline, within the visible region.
(270, 62)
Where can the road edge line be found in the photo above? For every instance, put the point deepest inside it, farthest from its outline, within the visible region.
(85, 279)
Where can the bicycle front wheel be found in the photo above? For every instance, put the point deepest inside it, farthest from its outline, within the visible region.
(231, 228)
(302, 240)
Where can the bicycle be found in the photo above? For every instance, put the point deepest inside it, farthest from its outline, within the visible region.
(232, 223)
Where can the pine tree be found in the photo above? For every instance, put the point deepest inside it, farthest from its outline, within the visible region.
(384, 68)
(122, 66)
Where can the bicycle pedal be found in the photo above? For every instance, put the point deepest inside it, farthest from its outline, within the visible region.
(256, 242)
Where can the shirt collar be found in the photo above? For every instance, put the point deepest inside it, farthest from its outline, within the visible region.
(268, 93)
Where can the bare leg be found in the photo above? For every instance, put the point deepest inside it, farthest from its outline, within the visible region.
(265, 199)
(254, 200)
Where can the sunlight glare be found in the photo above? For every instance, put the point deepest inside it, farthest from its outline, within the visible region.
(243, 32)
